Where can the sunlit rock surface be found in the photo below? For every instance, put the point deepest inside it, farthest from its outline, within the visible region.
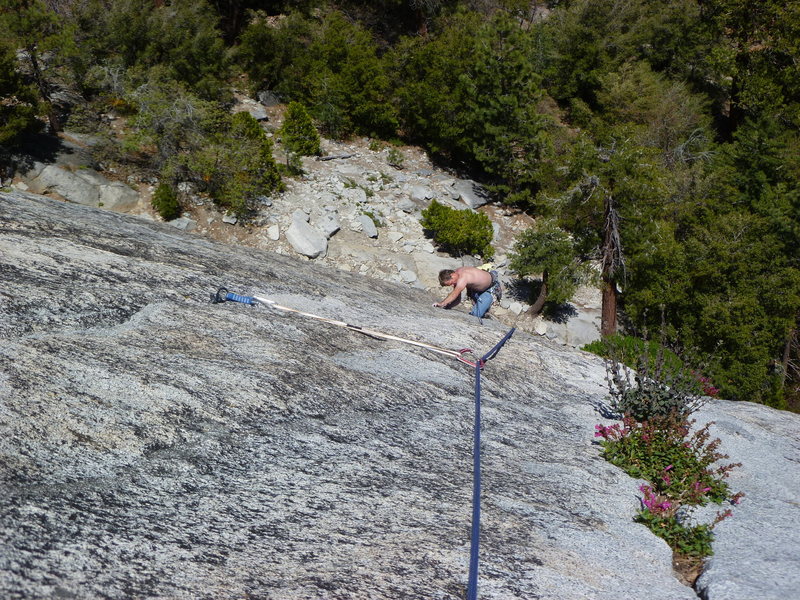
(155, 445)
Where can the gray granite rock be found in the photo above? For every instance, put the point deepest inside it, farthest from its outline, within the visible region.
(757, 550)
(155, 445)
(305, 239)
(329, 224)
(471, 193)
(184, 223)
(84, 186)
(367, 226)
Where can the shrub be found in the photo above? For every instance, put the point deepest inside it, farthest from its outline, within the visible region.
(547, 249)
(459, 231)
(298, 132)
(165, 201)
(235, 165)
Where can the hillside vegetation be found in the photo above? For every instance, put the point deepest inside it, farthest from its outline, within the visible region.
(659, 138)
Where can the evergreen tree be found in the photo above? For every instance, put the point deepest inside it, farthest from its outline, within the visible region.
(548, 250)
(17, 101)
(470, 95)
(47, 43)
(298, 132)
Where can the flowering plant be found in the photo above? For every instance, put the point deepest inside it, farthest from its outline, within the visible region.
(683, 468)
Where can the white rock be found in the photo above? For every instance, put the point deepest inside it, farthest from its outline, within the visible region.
(420, 193)
(540, 327)
(274, 233)
(230, 219)
(328, 224)
(300, 215)
(408, 276)
(184, 223)
(394, 236)
(368, 226)
(516, 308)
(471, 193)
(306, 240)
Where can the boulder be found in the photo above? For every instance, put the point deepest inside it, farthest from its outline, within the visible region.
(419, 193)
(83, 186)
(184, 223)
(329, 224)
(367, 226)
(471, 193)
(306, 240)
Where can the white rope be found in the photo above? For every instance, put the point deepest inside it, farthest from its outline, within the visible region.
(459, 355)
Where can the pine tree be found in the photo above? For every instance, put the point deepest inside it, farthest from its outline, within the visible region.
(298, 132)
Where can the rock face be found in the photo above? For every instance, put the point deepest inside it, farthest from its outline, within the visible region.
(84, 187)
(155, 445)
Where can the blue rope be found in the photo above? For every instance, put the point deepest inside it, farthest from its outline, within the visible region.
(472, 584)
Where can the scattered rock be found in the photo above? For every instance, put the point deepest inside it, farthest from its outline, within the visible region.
(230, 219)
(368, 226)
(184, 223)
(306, 240)
(408, 276)
(471, 193)
(329, 224)
(301, 216)
(419, 193)
(274, 233)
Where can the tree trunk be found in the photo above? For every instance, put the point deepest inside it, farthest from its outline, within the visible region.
(612, 261)
(44, 90)
(536, 307)
(608, 313)
(422, 23)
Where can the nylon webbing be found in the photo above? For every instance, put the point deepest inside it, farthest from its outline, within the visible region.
(472, 582)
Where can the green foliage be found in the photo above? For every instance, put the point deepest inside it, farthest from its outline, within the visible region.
(228, 156)
(235, 165)
(181, 38)
(30, 25)
(170, 120)
(165, 201)
(471, 95)
(331, 66)
(547, 249)
(687, 540)
(17, 101)
(672, 118)
(630, 351)
(758, 58)
(682, 465)
(660, 386)
(459, 231)
(298, 132)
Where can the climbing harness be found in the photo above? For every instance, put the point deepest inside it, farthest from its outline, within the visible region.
(223, 295)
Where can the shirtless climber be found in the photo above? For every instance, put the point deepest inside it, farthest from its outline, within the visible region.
(481, 286)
